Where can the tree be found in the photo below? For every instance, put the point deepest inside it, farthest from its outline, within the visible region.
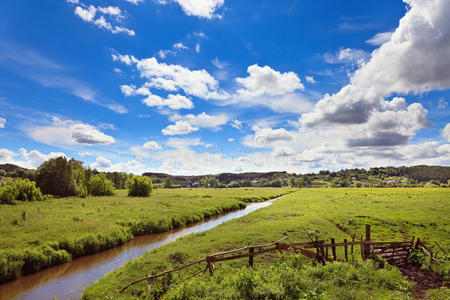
(167, 183)
(139, 186)
(61, 177)
(99, 185)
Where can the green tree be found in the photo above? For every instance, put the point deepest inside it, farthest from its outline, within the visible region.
(139, 186)
(61, 177)
(167, 183)
(99, 185)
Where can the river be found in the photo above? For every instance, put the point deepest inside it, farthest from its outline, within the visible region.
(67, 281)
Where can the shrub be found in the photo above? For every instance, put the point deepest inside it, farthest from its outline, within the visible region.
(8, 193)
(99, 185)
(27, 191)
(139, 186)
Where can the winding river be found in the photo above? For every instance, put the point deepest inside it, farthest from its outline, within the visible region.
(67, 281)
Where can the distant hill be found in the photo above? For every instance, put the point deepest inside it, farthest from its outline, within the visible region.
(10, 167)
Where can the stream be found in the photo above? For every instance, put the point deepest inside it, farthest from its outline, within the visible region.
(67, 281)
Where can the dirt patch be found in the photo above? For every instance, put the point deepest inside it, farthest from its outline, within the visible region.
(423, 279)
(341, 228)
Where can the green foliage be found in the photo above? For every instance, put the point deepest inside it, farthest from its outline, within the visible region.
(99, 185)
(139, 186)
(61, 177)
(210, 182)
(289, 279)
(8, 193)
(167, 183)
(20, 190)
(234, 184)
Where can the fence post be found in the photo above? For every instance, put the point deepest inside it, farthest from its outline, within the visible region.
(333, 249)
(367, 248)
(149, 285)
(251, 250)
(345, 250)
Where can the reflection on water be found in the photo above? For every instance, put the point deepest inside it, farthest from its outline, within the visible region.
(67, 281)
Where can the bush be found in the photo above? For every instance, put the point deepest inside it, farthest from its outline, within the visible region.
(27, 191)
(99, 185)
(8, 193)
(139, 186)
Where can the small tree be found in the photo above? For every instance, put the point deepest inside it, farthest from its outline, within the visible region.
(139, 186)
(99, 185)
(167, 183)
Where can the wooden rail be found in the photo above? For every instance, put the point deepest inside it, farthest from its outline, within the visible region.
(394, 252)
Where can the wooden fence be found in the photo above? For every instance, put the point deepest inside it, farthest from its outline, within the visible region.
(394, 252)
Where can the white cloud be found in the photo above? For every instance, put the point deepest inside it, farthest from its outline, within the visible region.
(179, 46)
(184, 143)
(380, 38)
(442, 103)
(88, 14)
(68, 132)
(348, 56)
(202, 120)
(265, 80)
(29, 160)
(446, 132)
(179, 128)
(104, 164)
(230, 140)
(283, 151)
(393, 69)
(197, 48)
(198, 8)
(2, 122)
(197, 83)
(266, 137)
(151, 145)
(135, 2)
(310, 79)
(172, 102)
(236, 124)
(219, 64)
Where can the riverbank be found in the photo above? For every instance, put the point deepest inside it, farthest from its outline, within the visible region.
(323, 213)
(37, 235)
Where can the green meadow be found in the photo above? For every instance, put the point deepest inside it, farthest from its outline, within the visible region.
(35, 235)
(395, 214)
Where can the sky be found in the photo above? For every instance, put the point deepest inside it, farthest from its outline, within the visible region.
(211, 86)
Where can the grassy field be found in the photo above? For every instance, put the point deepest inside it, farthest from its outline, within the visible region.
(35, 235)
(395, 213)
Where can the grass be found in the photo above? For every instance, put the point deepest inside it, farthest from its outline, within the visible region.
(36, 235)
(395, 213)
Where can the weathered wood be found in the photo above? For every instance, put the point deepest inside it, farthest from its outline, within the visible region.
(326, 252)
(345, 250)
(246, 247)
(412, 242)
(353, 242)
(162, 274)
(333, 249)
(440, 248)
(363, 251)
(251, 250)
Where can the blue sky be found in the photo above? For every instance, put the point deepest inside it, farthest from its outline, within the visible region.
(209, 86)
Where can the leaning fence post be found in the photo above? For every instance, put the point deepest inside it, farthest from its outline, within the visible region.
(251, 250)
(362, 249)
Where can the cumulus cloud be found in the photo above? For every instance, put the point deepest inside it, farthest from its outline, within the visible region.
(135, 2)
(446, 132)
(230, 140)
(68, 132)
(202, 120)
(184, 143)
(172, 101)
(176, 48)
(442, 103)
(26, 159)
(199, 8)
(179, 128)
(104, 164)
(114, 13)
(2, 122)
(380, 38)
(265, 137)
(392, 69)
(170, 77)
